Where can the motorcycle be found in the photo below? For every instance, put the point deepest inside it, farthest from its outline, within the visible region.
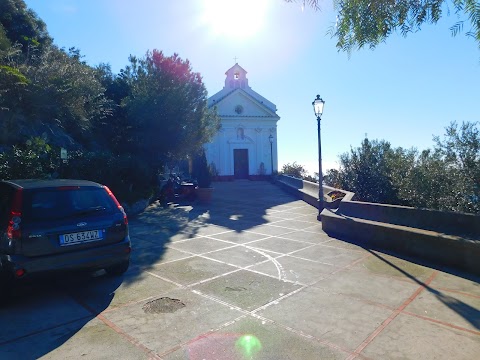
(176, 189)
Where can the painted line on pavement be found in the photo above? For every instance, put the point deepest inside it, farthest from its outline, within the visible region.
(144, 267)
(441, 322)
(280, 269)
(459, 292)
(214, 277)
(219, 301)
(274, 302)
(301, 333)
(207, 252)
(165, 279)
(181, 345)
(118, 330)
(254, 314)
(379, 329)
(233, 242)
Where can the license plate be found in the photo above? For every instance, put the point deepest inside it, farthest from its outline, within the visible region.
(81, 237)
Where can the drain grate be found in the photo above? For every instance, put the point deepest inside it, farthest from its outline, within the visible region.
(162, 305)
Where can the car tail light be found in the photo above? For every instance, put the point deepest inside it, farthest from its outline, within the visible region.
(14, 228)
(20, 273)
(125, 219)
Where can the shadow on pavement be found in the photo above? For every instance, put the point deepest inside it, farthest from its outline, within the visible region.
(45, 314)
(42, 314)
(236, 206)
(467, 312)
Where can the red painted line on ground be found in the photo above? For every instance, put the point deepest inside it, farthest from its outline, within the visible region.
(307, 336)
(119, 331)
(205, 336)
(441, 323)
(459, 292)
(129, 338)
(254, 314)
(378, 330)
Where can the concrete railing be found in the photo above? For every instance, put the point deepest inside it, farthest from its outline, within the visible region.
(443, 238)
(308, 191)
(466, 225)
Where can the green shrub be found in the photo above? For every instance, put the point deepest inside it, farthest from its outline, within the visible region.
(201, 171)
(130, 178)
(32, 159)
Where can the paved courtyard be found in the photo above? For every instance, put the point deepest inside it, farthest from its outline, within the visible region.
(249, 276)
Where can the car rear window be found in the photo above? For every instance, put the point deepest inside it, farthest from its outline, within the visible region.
(45, 204)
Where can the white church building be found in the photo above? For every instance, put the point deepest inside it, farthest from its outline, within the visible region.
(246, 145)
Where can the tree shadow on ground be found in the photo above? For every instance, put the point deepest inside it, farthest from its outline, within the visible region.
(466, 311)
(235, 207)
(44, 314)
(241, 206)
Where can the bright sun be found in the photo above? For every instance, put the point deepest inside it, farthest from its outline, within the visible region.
(234, 19)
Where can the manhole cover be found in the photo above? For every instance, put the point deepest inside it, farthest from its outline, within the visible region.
(162, 305)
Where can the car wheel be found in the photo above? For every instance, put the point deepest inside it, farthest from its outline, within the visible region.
(118, 269)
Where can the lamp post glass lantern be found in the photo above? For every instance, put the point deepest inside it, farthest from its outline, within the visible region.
(318, 105)
(271, 151)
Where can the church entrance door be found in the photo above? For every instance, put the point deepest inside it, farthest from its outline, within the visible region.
(240, 163)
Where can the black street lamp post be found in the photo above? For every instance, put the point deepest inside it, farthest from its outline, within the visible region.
(271, 151)
(318, 104)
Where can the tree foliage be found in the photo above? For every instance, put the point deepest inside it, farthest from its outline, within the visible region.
(369, 169)
(34, 157)
(53, 89)
(118, 128)
(369, 22)
(201, 170)
(167, 107)
(298, 171)
(22, 26)
(295, 170)
(446, 177)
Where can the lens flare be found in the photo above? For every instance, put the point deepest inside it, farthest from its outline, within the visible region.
(248, 345)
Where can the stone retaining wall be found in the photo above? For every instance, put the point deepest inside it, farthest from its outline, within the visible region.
(443, 238)
(308, 191)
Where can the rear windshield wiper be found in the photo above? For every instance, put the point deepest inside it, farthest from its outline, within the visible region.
(90, 210)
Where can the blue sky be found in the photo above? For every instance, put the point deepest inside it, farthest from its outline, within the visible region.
(405, 91)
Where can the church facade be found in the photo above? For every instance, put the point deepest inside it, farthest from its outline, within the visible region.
(246, 145)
